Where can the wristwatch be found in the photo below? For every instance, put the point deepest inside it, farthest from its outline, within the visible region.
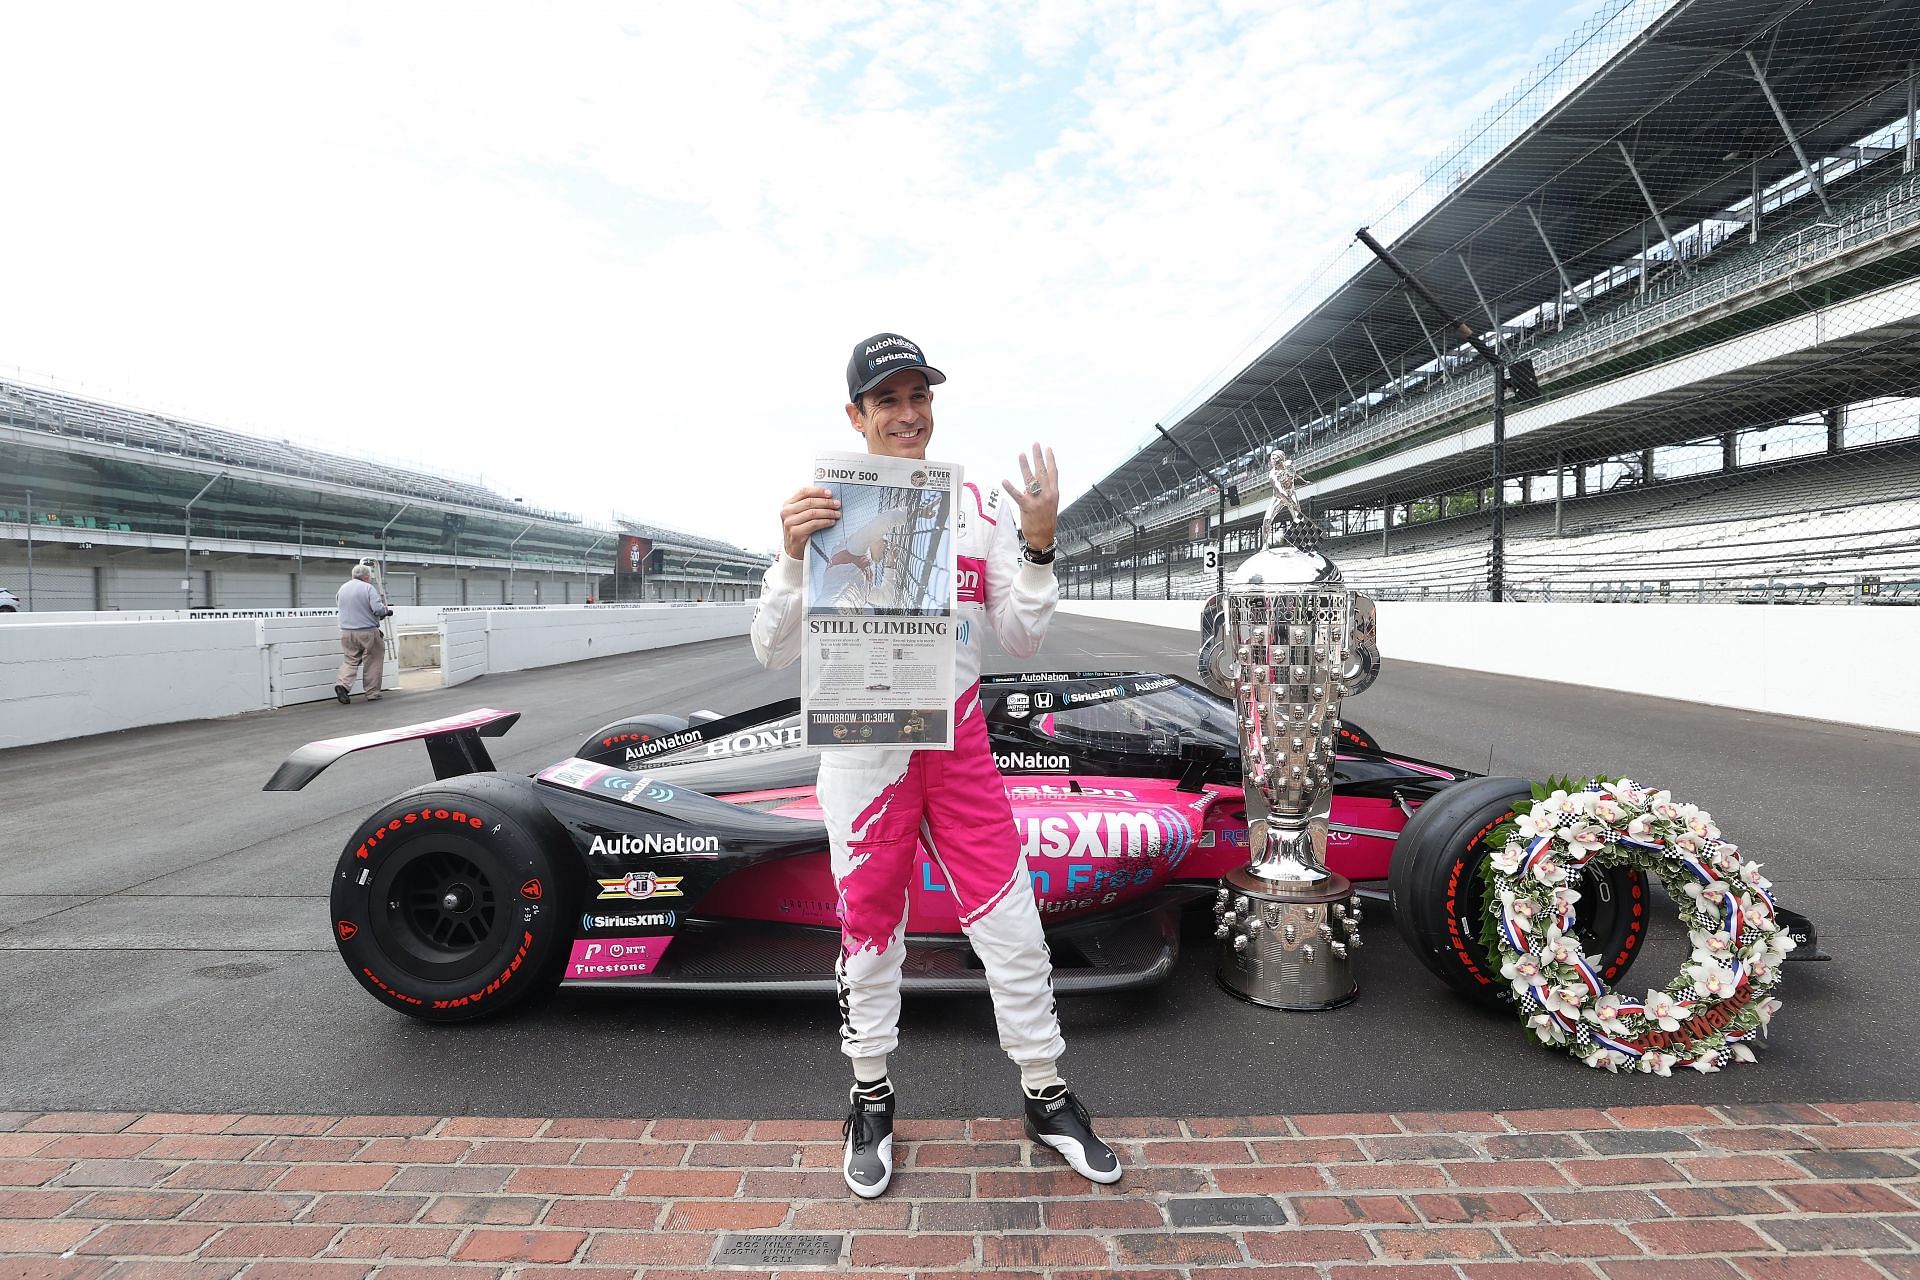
(1036, 555)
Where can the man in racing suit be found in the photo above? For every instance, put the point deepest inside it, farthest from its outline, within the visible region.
(881, 803)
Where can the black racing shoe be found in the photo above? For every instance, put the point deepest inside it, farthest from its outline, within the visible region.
(1057, 1119)
(340, 692)
(868, 1160)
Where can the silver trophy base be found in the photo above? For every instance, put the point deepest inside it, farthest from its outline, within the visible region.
(1287, 945)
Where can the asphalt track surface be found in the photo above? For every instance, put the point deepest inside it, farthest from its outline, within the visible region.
(164, 941)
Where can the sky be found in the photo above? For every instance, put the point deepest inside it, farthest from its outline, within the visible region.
(613, 258)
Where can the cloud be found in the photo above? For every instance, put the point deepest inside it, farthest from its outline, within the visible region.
(615, 259)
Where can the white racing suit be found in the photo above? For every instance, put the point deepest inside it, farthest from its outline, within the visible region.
(882, 803)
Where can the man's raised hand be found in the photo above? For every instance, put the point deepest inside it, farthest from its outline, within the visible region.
(1038, 497)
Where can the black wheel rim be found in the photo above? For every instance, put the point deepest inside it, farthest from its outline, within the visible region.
(447, 901)
(1603, 918)
(440, 909)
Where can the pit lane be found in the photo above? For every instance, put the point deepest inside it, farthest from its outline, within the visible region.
(164, 943)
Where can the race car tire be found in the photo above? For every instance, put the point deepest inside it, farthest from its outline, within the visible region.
(608, 743)
(453, 901)
(1437, 891)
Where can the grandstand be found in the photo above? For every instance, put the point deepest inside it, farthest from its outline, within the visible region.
(108, 507)
(1699, 221)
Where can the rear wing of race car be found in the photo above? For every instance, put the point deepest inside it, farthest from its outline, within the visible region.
(453, 745)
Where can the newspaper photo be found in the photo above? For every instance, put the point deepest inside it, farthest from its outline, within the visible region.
(878, 670)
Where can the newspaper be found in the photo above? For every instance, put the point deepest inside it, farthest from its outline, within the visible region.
(880, 622)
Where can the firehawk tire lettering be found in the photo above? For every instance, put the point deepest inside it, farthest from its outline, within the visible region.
(434, 899)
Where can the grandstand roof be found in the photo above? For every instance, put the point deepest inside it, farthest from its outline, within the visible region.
(61, 415)
(1838, 67)
(661, 536)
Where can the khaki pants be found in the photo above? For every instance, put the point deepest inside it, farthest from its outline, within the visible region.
(367, 647)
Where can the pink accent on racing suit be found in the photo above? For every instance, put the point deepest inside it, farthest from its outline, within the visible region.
(881, 803)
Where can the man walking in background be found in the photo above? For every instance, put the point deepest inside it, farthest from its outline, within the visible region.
(363, 647)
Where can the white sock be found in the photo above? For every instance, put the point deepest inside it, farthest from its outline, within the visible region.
(870, 1071)
(1037, 1077)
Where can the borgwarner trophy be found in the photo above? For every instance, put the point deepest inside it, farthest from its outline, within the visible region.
(1297, 639)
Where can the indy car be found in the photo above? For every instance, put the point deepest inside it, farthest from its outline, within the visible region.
(684, 855)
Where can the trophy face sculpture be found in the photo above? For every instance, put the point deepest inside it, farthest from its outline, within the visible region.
(1297, 639)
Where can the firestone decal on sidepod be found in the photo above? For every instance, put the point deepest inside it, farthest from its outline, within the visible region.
(622, 958)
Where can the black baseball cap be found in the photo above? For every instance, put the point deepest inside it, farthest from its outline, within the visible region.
(882, 356)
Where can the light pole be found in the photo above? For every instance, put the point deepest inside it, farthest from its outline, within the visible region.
(586, 567)
(510, 563)
(1220, 559)
(1525, 387)
(186, 582)
(383, 548)
(29, 551)
(1130, 524)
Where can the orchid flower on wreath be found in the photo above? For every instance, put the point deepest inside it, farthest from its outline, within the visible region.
(1707, 1017)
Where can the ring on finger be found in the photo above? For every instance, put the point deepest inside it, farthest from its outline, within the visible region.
(1033, 487)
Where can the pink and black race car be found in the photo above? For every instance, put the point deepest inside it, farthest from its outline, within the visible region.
(688, 855)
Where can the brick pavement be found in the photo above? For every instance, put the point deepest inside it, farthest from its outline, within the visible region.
(1768, 1192)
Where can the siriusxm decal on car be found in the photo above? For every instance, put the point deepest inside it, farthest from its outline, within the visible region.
(753, 740)
(1163, 833)
(649, 920)
(1031, 762)
(652, 842)
(641, 885)
(1076, 698)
